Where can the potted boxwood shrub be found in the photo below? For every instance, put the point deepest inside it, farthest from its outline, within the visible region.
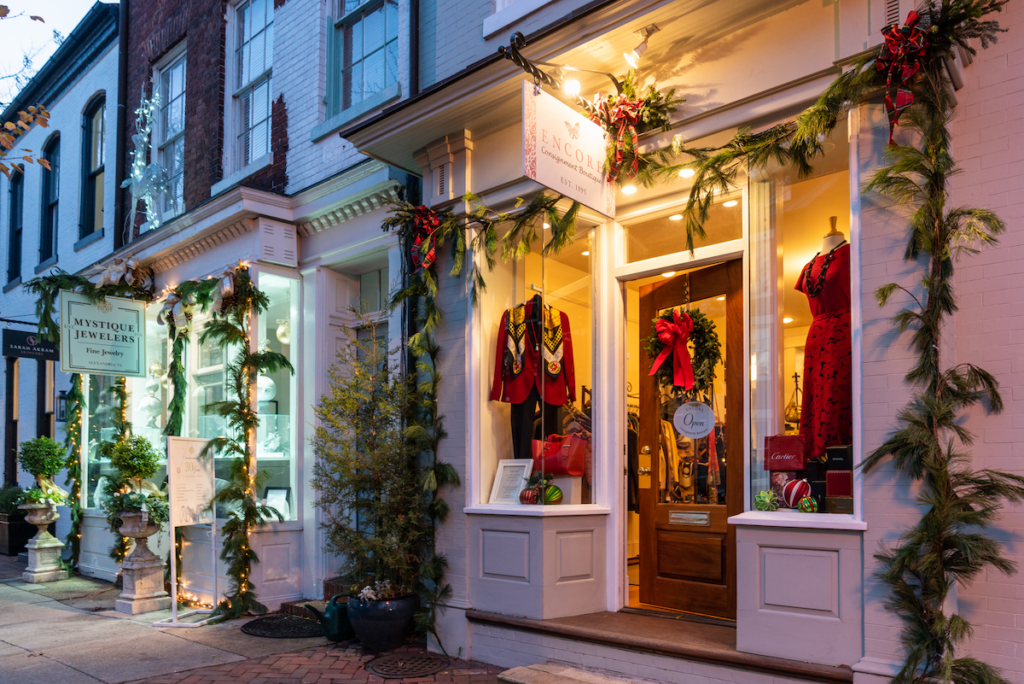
(366, 477)
(42, 458)
(135, 507)
(14, 531)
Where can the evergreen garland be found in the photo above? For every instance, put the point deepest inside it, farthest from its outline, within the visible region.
(72, 444)
(476, 232)
(707, 353)
(948, 545)
(231, 327)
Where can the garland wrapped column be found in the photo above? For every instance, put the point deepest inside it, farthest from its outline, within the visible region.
(73, 445)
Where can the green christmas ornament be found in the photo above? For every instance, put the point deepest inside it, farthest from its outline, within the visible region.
(766, 501)
(808, 504)
(552, 495)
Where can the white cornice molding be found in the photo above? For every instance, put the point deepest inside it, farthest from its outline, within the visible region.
(353, 206)
(203, 244)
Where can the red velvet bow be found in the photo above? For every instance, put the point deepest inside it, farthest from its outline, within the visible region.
(674, 334)
(625, 115)
(900, 53)
(424, 224)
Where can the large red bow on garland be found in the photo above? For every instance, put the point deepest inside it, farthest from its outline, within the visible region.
(674, 335)
(424, 225)
(624, 116)
(901, 51)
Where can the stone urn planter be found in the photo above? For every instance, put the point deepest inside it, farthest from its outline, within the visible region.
(43, 549)
(142, 571)
(381, 625)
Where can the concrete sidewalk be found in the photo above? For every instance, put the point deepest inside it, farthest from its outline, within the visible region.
(66, 632)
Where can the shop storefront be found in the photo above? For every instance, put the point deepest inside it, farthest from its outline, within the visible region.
(658, 516)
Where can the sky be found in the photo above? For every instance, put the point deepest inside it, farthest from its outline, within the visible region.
(21, 36)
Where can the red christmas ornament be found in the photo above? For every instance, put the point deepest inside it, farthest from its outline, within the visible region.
(530, 496)
(794, 491)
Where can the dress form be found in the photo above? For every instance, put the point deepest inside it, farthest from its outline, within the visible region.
(833, 238)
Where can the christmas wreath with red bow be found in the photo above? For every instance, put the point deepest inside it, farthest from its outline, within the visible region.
(674, 363)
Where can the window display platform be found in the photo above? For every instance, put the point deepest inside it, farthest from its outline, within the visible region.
(692, 641)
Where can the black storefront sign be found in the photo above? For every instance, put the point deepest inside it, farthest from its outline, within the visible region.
(28, 345)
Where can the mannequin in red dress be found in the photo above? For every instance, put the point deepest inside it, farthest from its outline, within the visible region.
(826, 416)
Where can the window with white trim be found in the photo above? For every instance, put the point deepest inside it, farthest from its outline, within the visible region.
(365, 59)
(254, 57)
(170, 134)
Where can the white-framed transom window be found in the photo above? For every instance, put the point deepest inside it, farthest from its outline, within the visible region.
(254, 56)
(365, 50)
(170, 133)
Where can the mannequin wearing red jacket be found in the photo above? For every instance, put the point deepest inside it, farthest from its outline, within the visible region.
(533, 360)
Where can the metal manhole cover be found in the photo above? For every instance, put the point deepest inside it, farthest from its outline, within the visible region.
(402, 665)
(283, 627)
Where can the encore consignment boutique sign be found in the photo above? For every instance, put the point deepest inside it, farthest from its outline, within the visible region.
(28, 345)
(565, 151)
(107, 338)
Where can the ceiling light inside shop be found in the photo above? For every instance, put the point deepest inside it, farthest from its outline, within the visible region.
(587, 253)
(629, 190)
(675, 217)
(571, 87)
(730, 203)
(721, 299)
(787, 319)
(668, 274)
(546, 226)
(687, 173)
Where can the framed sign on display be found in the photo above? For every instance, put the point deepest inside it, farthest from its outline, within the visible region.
(510, 480)
(102, 338)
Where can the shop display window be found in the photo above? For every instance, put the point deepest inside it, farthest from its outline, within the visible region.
(537, 329)
(148, 398)
(276, 395)
(666, 233)
(800, 336)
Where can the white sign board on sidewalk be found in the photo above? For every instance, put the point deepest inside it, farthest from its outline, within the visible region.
(565, 151)
(189, 482)
(105, 338)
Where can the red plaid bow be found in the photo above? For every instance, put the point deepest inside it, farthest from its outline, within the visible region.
(424, 224)
(625, 115)
(674, 334)
(901, 51)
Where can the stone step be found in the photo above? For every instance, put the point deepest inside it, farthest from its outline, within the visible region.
(550, 673)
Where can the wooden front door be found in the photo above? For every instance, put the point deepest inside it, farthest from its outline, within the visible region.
(687, 548)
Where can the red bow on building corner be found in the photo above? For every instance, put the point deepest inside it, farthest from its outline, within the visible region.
(625, 116)
(674, 335)
(900, 53)
(424, 224)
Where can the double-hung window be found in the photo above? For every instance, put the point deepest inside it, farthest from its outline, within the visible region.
(170, 134)
(51, 197)
(254, 55)
(365, 51)
(14, 236)
(94, 126)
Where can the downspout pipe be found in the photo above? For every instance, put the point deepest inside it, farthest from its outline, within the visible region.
(122, 99)
(414, 48)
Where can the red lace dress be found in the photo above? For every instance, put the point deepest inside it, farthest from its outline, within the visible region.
(826, 416)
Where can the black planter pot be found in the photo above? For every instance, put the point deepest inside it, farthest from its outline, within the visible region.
(15, 533)
(382, 625)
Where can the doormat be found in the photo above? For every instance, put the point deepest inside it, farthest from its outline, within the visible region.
(283, 627)
(402, 665)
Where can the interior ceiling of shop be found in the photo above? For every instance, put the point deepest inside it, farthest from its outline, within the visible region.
(685, 26)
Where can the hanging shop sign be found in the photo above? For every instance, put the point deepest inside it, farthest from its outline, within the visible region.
(103, 338)
(28, 345)
(565, 151)
(189, 482)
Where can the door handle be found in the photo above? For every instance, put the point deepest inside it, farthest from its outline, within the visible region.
(644, 471)
(644, 468)
(645, 450)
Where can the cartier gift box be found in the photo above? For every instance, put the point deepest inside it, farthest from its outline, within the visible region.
(783, 452)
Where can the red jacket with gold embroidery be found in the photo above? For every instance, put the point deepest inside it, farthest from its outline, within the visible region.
(524, 347)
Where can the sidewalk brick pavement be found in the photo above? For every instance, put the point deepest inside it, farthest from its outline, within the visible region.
(330, 664)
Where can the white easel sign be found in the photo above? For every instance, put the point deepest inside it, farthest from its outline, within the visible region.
(190, 488)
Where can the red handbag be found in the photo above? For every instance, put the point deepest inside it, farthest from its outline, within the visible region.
(559, 455)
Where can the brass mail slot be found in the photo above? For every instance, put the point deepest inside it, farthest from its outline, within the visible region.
(682, 518)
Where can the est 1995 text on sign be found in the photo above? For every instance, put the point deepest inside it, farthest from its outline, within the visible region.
(105, 338)
(565, 151)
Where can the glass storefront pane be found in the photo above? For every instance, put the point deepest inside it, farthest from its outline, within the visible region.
(800, 365)
(666, 233)
(276, 395)
(537, 317)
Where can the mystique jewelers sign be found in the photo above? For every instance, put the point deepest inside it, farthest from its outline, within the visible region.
(105, 338)
(565, 151)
